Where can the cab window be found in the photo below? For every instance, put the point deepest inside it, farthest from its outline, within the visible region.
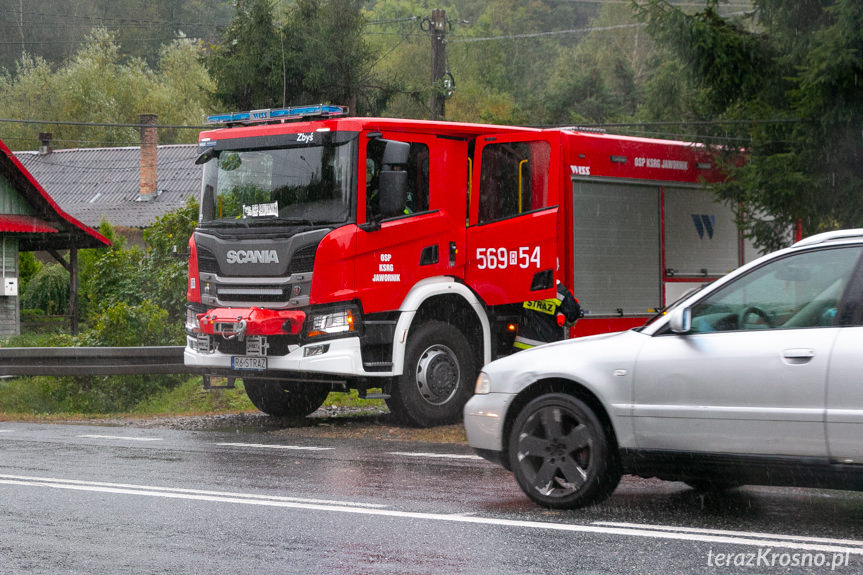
(513, 179)
(417, 167)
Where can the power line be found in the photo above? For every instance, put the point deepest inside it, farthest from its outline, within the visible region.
(465, 40)
(103, 124)
(681, 123)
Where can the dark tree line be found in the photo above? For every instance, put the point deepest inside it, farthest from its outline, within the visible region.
(55, 29)
(786, 79)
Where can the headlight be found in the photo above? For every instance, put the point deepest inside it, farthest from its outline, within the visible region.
(192, 325)
(483, 384)
(337, 322)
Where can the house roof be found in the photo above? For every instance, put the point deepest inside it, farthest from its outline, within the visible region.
(95, 184)
(49, 227)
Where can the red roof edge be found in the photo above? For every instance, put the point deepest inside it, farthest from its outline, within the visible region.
(16, 223)
(38, 187)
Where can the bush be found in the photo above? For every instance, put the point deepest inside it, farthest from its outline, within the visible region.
(48, 290)
(166, 264)
(127, 325)
(28, 266)
(90, 395)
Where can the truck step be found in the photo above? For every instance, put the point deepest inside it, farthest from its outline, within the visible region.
(375, 396)
(211, 382)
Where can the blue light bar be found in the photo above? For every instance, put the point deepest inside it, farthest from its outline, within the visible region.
(269, 115)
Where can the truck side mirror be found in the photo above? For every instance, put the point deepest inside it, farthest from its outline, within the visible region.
(680, 320)
(395, 154)
(393, 178)
(393, 192)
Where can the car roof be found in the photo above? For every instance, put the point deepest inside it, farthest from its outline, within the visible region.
(852, 234)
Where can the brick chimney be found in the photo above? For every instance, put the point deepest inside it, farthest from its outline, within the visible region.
(45, 143)
(149, 142)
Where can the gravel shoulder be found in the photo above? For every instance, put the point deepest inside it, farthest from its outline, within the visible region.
(330, 422)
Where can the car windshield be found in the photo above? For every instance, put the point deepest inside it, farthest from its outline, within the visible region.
(664, 311)
(309, 180)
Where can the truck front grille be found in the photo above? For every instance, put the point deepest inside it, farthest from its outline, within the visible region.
(303, 260)
(253, 293)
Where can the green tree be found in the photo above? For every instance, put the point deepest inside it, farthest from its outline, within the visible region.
(88, 298)
(28, 266)
(247, 64)
(318, 55)
(166, 265)
(787, 80)
(326, 37)
(99, 85)
(48, 290)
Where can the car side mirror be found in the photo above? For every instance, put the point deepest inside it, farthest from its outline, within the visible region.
(680, 320)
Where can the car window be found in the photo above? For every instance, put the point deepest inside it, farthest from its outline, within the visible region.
(798, 291)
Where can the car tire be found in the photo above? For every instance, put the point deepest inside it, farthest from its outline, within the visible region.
(561, 454)
(285, 398)
(438, 378)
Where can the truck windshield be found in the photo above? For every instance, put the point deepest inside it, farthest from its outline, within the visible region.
(303, 178)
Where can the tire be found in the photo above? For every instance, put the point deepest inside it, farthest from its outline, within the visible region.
(438, 379)
(285, 398)
(560, 453)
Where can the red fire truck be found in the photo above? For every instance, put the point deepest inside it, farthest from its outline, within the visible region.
(393, 256)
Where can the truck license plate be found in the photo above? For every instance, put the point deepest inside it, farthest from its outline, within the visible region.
(248, 363)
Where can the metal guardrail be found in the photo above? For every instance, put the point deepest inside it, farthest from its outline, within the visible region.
(59, 361)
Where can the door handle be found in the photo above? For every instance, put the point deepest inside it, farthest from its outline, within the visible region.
(798, 355)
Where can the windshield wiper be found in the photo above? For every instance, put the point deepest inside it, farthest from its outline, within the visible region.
(225, 223)
(270, 221)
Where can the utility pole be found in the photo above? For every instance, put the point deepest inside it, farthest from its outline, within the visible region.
(437, 32)
(21, 25)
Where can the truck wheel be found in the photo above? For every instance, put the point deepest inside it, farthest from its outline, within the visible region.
(438, 378)
(285, 398)
(560, 453)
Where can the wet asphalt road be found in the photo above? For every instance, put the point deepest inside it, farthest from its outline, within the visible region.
(98, 499)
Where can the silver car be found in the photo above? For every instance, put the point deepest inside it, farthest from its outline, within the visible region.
(755, 379)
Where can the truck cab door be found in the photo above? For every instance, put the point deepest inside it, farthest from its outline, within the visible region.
(513, 218)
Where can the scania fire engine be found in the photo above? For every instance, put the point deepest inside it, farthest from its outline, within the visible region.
(393, 256)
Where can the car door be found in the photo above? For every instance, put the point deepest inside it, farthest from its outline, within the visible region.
(845, 381)
(750, 376)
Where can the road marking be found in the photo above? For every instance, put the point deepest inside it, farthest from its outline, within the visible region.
(745, 538)
(435, 455)
(175, 492)
(269, 446)
(125, 437)
(6, 430)
(728, 532)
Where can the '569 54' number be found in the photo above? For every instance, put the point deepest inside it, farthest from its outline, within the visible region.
(502, 258)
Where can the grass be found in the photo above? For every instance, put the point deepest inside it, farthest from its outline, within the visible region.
(48, 398)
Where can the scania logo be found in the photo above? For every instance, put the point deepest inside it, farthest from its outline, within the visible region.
(252, 257)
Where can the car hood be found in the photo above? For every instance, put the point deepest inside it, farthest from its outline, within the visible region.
(588, 360)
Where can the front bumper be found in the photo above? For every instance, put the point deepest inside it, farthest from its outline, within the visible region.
(484, 419)
(340, 357)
